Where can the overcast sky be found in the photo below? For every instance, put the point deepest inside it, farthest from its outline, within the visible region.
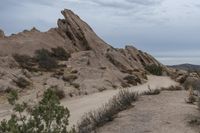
(167, 29)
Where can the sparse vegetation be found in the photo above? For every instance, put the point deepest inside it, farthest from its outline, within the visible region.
(173, 88)
(25, 61)
(101, 89)
(22, 82)
(125, 85)
(191, 99)
(154, 69)
(152, 92)
(194, 83)
(59, 93)
(48, 116)
(70, 77)
(44, 59)
(60, 53)
(131, 79)
(76, 85)
(107, 112)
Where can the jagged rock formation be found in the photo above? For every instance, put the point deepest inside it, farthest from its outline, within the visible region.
(95, 64)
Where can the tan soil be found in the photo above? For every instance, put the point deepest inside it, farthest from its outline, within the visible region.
(164, 113)
(80, 105)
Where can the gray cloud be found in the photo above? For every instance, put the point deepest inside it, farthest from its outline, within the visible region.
(124, 4)
(112, 4)
(155, 26)
(145, 2)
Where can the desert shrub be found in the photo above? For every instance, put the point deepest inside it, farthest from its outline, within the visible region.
(70, 77)
(74, 71)
(24, 61)
(154, 69)
(133, 80)
(194, 83)
(22, 82)
(60, 53)
(125, 85)
(194, 122)
(76, 85)
(106, 113)
(182, 79)
(173, 88)
(103, 68)
(48, 116)
(192, 98)
(114, 86)
(45, 60)
(59, 93)
(152, 92)
(101, 89)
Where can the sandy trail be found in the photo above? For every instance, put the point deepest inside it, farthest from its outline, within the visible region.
(78, 107)
(164, 113)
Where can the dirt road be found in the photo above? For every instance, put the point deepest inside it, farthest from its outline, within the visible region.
(78, 107)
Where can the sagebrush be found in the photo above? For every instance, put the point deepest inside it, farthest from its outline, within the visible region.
(106, 113)
(154, 69)
(48, 116)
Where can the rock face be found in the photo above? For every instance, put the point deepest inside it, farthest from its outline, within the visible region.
(96, 65)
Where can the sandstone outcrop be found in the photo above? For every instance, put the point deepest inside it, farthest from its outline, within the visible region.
(95, 64)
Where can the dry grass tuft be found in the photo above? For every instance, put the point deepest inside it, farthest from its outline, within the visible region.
(106, 113)
(152, 92)
(173, 88)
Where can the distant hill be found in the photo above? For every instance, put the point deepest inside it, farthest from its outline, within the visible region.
(187, 67)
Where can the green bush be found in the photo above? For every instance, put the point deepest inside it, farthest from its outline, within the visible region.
(154, 69)
(48, 116)
(60, 53)
(45, 60)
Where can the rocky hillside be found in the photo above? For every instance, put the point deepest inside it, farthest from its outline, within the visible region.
(91, 64)
(187, 67)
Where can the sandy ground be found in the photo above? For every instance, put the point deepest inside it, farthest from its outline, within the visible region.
(79, 106)
(164, 113)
